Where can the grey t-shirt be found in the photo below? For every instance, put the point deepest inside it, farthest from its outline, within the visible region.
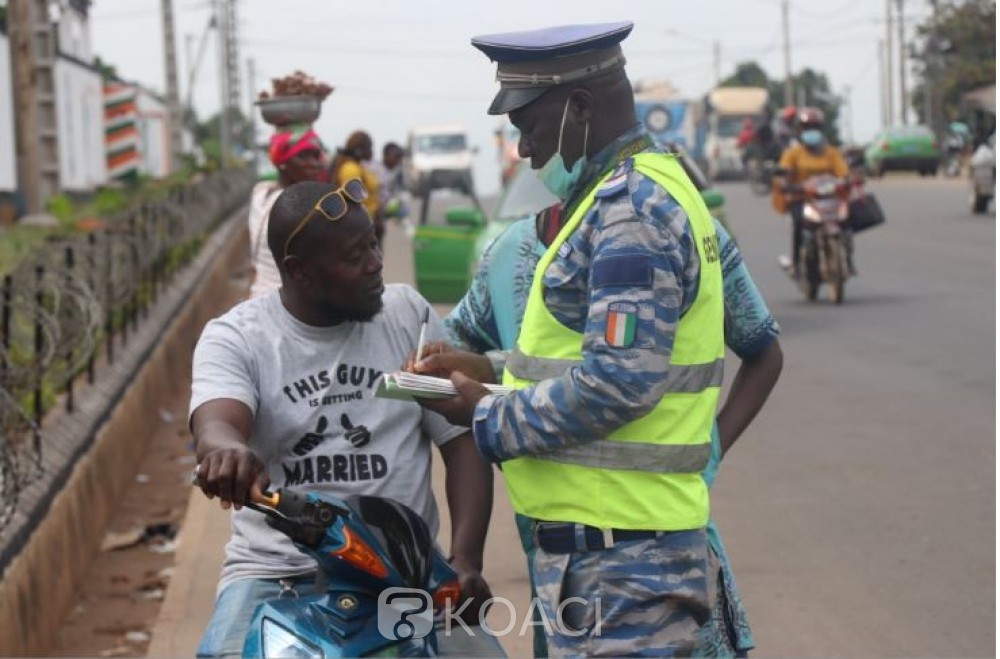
(317, 422)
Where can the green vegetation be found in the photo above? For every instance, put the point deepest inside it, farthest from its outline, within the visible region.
(959, 54)
(811, 86)
(19, 243)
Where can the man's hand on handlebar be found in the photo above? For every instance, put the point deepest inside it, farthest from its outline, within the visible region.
(233, 474)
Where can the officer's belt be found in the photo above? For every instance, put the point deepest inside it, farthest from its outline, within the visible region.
(568, 538)
(681, 378)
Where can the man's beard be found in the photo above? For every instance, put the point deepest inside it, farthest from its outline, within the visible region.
(356, 315)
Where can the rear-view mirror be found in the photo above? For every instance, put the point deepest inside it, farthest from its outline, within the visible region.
(713, 199)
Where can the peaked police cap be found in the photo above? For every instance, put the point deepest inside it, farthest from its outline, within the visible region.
(533, 62)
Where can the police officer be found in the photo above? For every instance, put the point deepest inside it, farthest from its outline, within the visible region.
(618, 363)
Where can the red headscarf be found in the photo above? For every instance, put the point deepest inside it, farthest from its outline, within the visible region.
(285, 145)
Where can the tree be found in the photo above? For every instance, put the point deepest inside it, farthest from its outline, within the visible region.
(747, 74)
(108, 71)
(958, 54)
(812, 88)
(206, 134)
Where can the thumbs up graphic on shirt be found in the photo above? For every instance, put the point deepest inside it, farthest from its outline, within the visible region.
(358, 436)
(311, 440)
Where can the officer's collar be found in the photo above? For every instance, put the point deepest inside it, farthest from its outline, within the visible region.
(632, 141)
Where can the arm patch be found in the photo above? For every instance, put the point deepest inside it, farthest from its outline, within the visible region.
(625, 270)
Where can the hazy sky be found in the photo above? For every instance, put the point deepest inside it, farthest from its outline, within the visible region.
(406, 62)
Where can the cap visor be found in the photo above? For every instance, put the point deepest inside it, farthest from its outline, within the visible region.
(508, 100)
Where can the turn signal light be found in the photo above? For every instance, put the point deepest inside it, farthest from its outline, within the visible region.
(357, 552)
(447, 596)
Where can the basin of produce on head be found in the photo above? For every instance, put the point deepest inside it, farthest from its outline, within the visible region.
(283, 110)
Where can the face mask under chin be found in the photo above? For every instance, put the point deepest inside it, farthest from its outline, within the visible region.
(554, 174)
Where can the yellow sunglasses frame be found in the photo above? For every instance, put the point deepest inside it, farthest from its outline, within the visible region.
(344, 195)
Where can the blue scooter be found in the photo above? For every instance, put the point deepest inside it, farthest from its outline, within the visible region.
(383, 573)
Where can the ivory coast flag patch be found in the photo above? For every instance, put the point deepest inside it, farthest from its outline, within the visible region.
(620, 330)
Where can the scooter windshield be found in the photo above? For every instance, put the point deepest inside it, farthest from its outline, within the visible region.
(403, 535)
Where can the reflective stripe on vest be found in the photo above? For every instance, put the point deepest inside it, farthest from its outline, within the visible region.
(646, 474)
(635, 456)
(681, 379)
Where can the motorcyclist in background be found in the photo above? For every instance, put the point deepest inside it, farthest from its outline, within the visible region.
(766, 138)
(956, 147)
(811, 155)
(786, 127)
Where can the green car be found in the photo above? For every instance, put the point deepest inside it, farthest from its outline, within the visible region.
(906, 148)
(446, 257)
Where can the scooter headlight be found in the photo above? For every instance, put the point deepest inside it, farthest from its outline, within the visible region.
(279, 642)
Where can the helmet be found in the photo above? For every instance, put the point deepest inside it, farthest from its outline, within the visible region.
(788, 114)
(811, 117)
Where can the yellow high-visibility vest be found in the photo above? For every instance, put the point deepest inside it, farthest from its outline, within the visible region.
(647, 474)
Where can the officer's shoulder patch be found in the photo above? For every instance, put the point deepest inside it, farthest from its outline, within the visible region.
(620, 326)
(617, 182)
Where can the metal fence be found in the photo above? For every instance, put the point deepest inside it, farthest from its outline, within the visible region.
(81, 297)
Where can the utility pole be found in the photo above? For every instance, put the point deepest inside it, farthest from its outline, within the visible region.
(903, 101)
(717, 61)
(225, 132)
(931, 60)
(173, 93)
(848, 119)
(36, 135)
(890, 90)
(229, 74)
(789, 89)
(251, 114)
(233, 64)
(881, 84)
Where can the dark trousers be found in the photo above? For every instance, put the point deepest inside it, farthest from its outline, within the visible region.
(795, 210)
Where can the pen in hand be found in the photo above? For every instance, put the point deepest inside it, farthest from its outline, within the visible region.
(423, 335)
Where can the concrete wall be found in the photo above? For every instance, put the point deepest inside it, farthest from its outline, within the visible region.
(39, 585)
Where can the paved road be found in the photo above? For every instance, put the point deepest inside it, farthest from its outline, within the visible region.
(859, 509)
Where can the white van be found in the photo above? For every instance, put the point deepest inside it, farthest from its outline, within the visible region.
(438, 157)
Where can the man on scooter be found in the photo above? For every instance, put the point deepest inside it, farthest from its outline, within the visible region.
(283, 394)
(810, 156)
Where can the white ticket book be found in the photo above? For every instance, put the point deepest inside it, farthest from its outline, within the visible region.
(407, 386)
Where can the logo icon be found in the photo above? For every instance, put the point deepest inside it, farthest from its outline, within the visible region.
(404, 613)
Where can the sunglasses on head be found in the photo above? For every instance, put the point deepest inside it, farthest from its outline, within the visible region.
(333, 206)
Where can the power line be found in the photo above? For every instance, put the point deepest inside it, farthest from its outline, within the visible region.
(843, 9)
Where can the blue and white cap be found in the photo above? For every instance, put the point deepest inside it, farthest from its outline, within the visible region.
(533, 62)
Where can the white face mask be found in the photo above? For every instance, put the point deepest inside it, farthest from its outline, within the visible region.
(554, 174)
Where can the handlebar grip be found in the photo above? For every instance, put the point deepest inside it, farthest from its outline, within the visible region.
(269, 499)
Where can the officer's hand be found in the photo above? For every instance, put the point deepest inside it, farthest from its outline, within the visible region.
(441, 360)
(231, 474)
(475, 591)
(459, 409)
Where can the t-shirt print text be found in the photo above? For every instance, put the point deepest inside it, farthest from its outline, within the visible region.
(314, 388)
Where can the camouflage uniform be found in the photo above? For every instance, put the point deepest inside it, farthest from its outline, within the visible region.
(655, 593)
(487, 321)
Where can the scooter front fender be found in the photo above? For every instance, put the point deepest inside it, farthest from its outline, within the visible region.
(335, 624)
